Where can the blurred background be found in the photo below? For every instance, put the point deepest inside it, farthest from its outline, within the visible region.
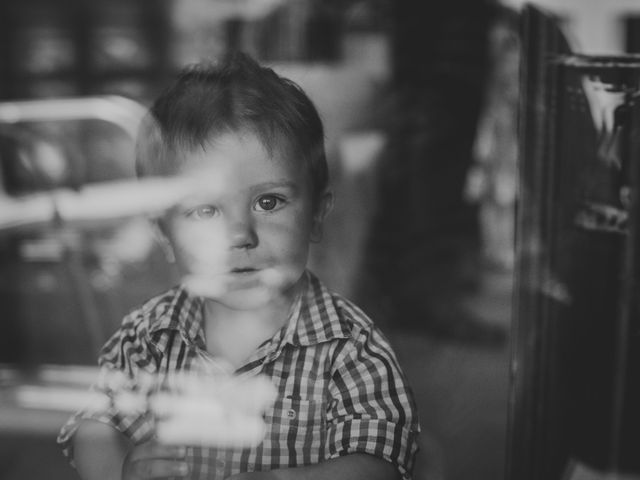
(420, 105)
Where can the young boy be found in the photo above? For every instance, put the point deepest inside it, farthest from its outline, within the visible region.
(248, 304)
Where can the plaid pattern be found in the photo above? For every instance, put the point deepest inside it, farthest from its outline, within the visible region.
(340, 388)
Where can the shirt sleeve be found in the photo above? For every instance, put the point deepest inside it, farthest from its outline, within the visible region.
(125, 361)
(372, 409)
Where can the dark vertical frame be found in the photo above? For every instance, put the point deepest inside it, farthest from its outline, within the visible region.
(632, 33)
(527, 444)
(575, 395)
(626, 416)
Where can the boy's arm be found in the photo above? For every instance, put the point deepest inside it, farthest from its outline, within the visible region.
(103, 453)
(349, 467)
(99, 451)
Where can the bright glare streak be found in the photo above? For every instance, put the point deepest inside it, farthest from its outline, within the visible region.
(213, 411)
(63, 399)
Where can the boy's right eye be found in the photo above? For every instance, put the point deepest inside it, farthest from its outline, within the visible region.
(202, 212)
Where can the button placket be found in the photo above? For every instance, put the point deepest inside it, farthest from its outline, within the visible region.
(220, 466)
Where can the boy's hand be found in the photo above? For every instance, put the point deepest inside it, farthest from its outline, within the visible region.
(153, 460)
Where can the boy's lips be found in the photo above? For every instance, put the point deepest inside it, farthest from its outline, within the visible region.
(241, 278)
(244, 270)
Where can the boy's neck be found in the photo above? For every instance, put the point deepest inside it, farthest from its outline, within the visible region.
(234, 334)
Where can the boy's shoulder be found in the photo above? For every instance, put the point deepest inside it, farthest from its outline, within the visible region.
(351, 313)
(129, 344)
(340, 312)
(333, 317)
(154, 310)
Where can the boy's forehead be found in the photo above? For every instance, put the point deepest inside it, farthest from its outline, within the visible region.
(244, 156)
(239, 146)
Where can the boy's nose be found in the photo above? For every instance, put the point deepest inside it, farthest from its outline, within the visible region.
(242, 234)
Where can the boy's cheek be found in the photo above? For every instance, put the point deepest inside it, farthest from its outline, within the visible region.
(203, 249)
(292, 228)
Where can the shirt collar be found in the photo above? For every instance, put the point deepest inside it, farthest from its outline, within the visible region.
(314, 318)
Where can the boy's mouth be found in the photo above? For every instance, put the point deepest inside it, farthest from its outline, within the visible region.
(244, 278)
(243, 270)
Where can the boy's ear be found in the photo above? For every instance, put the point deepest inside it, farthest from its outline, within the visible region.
(163, 239)
(325, 205)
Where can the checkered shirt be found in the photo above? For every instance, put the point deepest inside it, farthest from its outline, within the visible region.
(340, 387)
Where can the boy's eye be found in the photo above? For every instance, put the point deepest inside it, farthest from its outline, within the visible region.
(202, 212)
(268, 202)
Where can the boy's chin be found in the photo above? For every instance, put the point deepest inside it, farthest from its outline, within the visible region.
(248, 298)
(257, 296)
(244, 292)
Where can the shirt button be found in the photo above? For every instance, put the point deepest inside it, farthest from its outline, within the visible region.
(291, 414)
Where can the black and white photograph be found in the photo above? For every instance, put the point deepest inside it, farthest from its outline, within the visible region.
(320, 240)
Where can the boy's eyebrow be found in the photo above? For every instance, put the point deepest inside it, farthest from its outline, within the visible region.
(278, 184)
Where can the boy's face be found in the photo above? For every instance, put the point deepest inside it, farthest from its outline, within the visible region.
(250, 229)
